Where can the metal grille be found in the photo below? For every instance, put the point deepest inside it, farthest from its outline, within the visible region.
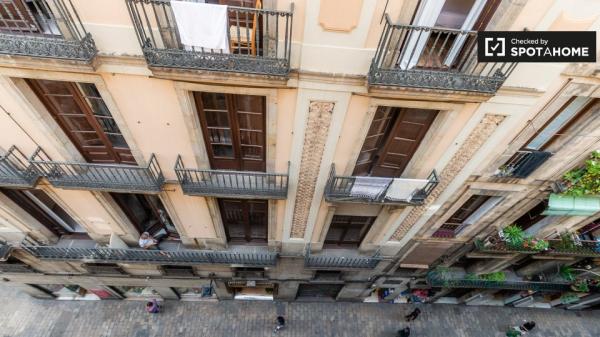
(440, 64)
(15, 170)
(185, 257)
(260, 40)
(44, 28)
(523, 163)
(340, 189)
(581, 248)
(436, 281)
(341, 262)
(102, 177)
(225, 183)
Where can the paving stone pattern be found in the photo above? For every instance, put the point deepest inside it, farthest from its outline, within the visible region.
(23, 316)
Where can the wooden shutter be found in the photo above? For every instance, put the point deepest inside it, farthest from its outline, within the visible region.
(146, 212)
(400, 144)
(245, 221)
(347, 231)
(382, 124)
(233, 127)
(81, 113)
(454, 224)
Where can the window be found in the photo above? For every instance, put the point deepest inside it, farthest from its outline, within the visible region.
(27, 16)
(45, 210)
(533, 220)
(347, 231)
(233, 127)
(181, 271)
(559, 124)
(104, 268)
(393, 138)
(467, 214)
(82, 114)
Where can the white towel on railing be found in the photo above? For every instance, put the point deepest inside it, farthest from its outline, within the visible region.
(369, 187)
(202, 25)
(403, 189)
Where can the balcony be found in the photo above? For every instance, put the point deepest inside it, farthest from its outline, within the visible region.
(173, 255)
(340, 259)
(100, 177)
(237, 184)
(433, 58)
(259, 40)
(44, 28)
(15, 170)
(523, 163)
(558, 247)
(5, 250)
(435, 281)
(377, 190)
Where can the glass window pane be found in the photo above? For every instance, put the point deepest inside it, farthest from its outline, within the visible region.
(558, 123)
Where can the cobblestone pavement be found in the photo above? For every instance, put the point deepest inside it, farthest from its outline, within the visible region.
(21, 315)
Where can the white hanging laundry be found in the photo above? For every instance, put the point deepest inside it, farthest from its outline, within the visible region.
(202, 25)
(369, 187)
(403, 189)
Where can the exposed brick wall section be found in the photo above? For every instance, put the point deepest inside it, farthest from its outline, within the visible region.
(316, 131)
(471, 145)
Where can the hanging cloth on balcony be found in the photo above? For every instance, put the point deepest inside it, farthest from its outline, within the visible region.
(369, 187)
(404, 189)
(202, 26)
(571, 206)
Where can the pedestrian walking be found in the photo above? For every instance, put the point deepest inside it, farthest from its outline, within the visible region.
(404, 332)
(280, 324)
(520, 330)
(413, 315)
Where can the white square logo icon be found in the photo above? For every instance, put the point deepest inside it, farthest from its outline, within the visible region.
(495, 46)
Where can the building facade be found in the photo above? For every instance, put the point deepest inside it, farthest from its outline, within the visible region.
(341, 150)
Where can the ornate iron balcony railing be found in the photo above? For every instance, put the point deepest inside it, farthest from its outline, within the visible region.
(44, 28)
(523, 163)
(328, 260)
(101, 177)
(15, 169)
(433, 58)
(259, 40)
(225, 183)
(168, 257)
(436, 281)
(378, 190)
(581, 248)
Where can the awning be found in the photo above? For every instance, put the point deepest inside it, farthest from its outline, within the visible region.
(569, 205)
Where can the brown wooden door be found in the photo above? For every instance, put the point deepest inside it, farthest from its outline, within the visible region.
(347, 231)
(245, 221)
(80, 111)
(146, 212)
(390, 145)
(233, 127)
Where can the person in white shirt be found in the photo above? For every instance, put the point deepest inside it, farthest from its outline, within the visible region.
(148, 242)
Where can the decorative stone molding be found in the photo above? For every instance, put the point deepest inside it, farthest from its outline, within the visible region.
(317, 129)
(471, 145)
(340, 15)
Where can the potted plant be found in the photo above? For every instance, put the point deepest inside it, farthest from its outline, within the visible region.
(532, 243)
(566, 241)
(513, 235)
(584, 180)
(566, 273)
(580, 285)
(498, 276)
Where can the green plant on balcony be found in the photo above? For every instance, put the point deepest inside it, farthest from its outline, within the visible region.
(498, 276)
(566, 242)
(471, 277)
(569, 298)
(580, 285)
(566, 273)
(532, 243)
(513, 235)
(584, 181)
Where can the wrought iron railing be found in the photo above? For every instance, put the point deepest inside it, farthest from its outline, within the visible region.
(378, 190)
(581, 248)
(44, 28)
(15, 169)
(225, 183)
(433, 58)
(15, 268)
(174, 257)
(436, 281)
(523, 163)
(101, 177)
(259, 40)
(328, 260)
